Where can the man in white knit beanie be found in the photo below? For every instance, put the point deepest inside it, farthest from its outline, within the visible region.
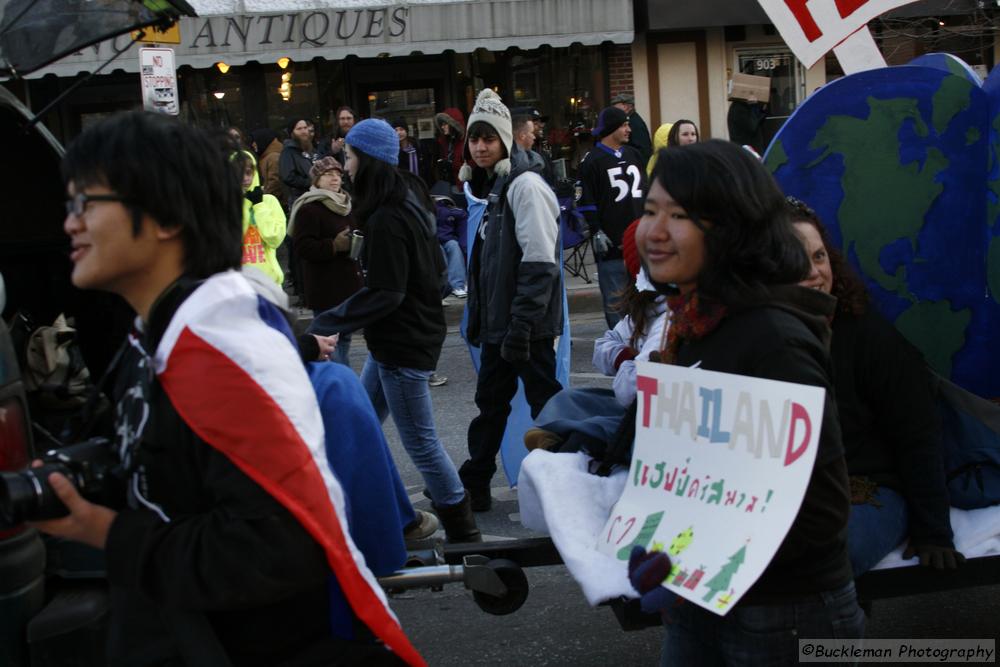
(515, 291)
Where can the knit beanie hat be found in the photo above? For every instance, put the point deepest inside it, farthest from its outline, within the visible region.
(491, 110)
(376, 138)
(323, 165)
(611, 119)
(292, 122)
(400, 122)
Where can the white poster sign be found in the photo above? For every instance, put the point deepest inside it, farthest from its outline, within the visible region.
(719, 470)
(158, 78)
(811, 28)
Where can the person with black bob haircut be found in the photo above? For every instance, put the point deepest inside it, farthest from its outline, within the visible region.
(716, 239)
(223, 549)
(400, 310)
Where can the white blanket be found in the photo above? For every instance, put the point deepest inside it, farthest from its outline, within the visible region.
(558, 496)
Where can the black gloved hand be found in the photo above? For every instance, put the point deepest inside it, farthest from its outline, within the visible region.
(646, 572)
(516, 344)
(255, 195)
(932, 555)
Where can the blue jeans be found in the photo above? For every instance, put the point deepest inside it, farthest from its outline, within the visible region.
(455, 260)
(872, 532)
(404, 393)
(759, 635)
(341, 352)
(613, 279)
(593, 411)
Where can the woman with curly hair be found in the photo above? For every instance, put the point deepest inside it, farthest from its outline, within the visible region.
(888, 419)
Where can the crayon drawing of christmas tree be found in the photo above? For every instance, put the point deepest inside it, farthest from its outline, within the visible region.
(720, 581)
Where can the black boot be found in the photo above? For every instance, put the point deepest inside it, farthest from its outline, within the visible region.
(459, 524)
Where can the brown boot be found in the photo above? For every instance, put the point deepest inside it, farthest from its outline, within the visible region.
(538, 438)
(458, 521)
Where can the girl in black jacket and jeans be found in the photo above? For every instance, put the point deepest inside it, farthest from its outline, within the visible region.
(400, 310)
(715, 237)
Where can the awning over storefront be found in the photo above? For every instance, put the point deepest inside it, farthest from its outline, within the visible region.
(673, 15)
(376, 29)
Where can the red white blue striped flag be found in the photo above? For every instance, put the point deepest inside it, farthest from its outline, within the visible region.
(230, 369)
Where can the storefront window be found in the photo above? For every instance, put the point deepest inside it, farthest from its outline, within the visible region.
(212, 98)
(415, 106)
(332, 91)
(301, 99)
(788, 82)
(567, 85)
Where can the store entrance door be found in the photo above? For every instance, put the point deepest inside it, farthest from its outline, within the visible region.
(413, 102)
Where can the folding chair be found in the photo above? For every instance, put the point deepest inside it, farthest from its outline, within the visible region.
(575, 239)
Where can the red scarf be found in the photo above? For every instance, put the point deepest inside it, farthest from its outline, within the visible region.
(690, 319)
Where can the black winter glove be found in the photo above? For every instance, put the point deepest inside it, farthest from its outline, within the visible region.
(255, 196)
(932, 555)
(516, 344)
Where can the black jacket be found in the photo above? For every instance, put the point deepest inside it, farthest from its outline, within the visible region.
(293, 168)
(889, 419)
(232, 570)
(503, 287)
(640, 139)
(786, 339)
(400, 305)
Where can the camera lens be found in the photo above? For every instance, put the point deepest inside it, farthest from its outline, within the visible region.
(27, 495)
(19, 493)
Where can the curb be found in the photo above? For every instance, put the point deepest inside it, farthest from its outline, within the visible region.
(583, 299)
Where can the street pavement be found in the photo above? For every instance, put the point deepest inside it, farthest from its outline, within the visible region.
(556, 626)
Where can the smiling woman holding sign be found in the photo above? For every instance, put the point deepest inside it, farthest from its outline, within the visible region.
(715, 237)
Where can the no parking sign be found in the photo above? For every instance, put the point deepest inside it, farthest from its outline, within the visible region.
(158, 78)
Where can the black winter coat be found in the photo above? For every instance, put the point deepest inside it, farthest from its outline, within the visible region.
(889, 419)
(787, 339)
(293, 168)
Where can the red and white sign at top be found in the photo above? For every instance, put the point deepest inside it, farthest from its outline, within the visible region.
(811, 28)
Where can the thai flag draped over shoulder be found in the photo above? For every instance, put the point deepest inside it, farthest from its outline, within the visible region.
(512, 449)
(231, 368)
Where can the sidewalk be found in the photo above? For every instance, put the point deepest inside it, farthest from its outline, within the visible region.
(583, 297)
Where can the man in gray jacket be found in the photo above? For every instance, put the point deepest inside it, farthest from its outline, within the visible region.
(515, 290)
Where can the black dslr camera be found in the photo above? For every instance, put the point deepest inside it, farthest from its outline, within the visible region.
(90, 465)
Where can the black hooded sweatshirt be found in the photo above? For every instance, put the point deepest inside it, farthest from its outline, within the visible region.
(400, 305)
(786, 337)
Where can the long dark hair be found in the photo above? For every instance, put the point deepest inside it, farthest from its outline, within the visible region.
(636, 305)
(852, 297)
(749, 241)
(379, 183)
(674, 135)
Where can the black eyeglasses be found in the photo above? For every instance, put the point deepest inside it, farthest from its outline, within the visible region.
(77, 204)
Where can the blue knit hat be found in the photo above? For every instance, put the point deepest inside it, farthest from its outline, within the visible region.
(376, 138)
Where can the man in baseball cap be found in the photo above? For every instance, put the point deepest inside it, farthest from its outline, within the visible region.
(640, 139)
